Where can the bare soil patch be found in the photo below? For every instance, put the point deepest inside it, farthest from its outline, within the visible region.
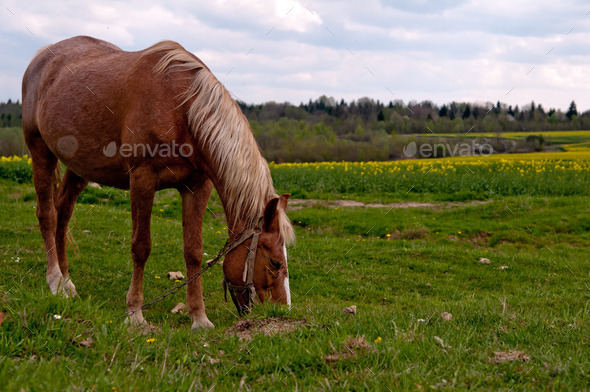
(247, 329)
(512, 355)
(350, 349)
(298, 204)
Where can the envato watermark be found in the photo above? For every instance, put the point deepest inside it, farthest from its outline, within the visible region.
(163, 150)
(440, 150)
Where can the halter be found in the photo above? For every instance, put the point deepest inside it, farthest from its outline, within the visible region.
(248, 274)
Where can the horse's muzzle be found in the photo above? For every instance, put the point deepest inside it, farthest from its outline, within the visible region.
(247, 294)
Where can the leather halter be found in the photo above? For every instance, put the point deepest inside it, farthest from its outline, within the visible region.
(247, 275)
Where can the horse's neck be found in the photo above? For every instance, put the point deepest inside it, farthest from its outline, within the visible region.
(235, 223)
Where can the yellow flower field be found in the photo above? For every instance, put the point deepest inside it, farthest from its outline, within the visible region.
(509, 174)
(564, 173)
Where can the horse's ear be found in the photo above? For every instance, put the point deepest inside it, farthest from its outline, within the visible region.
(271, 221)
(283, 201)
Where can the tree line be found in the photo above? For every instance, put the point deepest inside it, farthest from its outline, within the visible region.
(365, 129)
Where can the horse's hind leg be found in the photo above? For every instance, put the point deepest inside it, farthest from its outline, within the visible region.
(44, 165)
(70, 188)
(142, 187)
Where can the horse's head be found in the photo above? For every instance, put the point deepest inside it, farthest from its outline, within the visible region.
(257, 265)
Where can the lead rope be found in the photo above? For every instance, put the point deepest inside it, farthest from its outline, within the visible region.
(228, 247)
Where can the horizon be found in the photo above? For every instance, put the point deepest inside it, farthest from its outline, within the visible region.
(404, 103)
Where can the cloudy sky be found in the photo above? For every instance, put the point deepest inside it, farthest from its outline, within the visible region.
(283, 50)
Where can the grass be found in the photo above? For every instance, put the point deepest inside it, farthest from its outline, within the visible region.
(568, 140)
(443, 179)
(555, 137)
(400, 283)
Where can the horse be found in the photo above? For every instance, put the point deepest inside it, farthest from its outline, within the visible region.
(144, 121)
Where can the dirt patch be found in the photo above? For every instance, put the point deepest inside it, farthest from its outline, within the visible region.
(481, 239)
(247, 329)
(512, 355)
(298, 204)
(350, 349)
(411, 233)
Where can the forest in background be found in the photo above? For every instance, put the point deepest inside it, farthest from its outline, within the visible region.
(364, 130)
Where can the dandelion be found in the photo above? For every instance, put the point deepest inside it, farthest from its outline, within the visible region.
(378, 340)
(157, 277)
(388, 235)
(218, 232)
(459, 232)
(151, 340)
(161, 210)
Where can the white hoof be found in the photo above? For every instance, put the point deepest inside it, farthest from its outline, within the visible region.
(60, 285)
(202, 322)
(68, 289)
(135, 318)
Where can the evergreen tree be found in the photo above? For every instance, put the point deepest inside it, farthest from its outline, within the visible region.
(466, 113)
(573, 111)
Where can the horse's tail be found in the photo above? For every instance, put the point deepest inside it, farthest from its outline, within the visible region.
(57, 181)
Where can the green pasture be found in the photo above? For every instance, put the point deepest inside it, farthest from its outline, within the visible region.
(401, 267)
(568, 140)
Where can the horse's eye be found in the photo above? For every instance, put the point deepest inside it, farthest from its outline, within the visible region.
(275, 264)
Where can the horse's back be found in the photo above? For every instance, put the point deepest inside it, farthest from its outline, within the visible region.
(82, 94)
(53, 60)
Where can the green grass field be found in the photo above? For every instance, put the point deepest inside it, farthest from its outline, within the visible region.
(568, 140)
(401, 267)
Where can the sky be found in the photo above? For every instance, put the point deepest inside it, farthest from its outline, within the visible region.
(292, 51)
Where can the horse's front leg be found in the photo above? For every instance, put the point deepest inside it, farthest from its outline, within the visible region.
(142, 187)
(194, 204)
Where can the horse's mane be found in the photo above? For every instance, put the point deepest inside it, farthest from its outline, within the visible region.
(221, 128)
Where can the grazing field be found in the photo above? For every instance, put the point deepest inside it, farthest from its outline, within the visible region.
(519, 322)
(542, 174)
(556, 137)
(567, 140)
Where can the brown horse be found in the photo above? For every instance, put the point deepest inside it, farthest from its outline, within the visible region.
(146, 121)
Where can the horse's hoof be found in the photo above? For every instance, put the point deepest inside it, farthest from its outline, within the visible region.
(69, 290)
(202, 323)
(61, 286)
(135, 319)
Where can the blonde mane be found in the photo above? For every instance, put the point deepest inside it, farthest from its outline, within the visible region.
(223, 131)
